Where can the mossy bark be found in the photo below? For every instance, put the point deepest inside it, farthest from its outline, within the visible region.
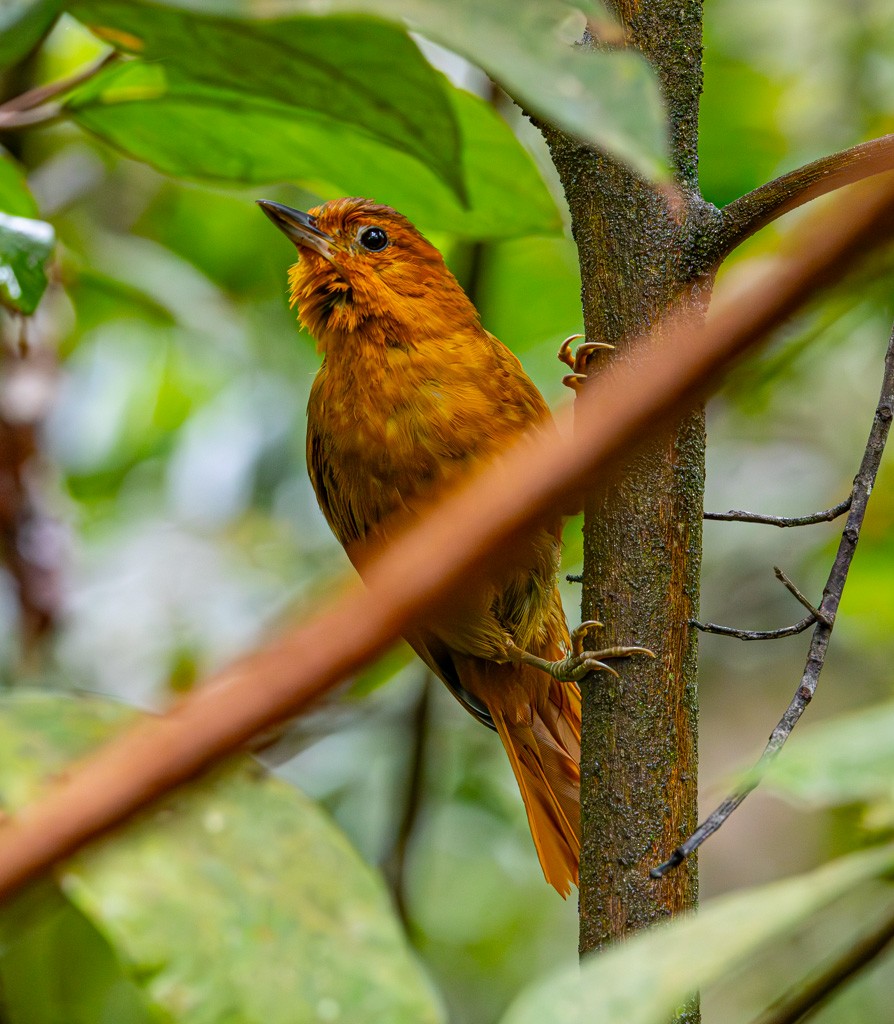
(642, 252)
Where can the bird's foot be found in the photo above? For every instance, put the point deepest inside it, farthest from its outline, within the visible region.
(578, 662)
(577, 359)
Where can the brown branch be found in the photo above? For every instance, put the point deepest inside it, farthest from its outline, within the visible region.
(35, 98)
(807, 998)
(419, 729)
(34, 107)
(755, 634)
(816, 613)
(816, 655)
(826, 516)
(467, 533)
(749, 213)
(770, 634)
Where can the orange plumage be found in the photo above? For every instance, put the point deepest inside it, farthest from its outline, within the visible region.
(412, 394)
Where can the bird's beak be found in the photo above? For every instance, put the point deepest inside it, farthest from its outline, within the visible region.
(298, 227)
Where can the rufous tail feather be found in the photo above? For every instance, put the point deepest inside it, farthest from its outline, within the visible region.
(545, 755)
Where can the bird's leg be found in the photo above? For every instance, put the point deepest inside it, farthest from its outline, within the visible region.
(577, 360)
(578, 662)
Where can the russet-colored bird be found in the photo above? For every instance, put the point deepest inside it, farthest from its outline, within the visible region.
(411, 395)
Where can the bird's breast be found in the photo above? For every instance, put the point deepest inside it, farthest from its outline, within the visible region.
(387, 432)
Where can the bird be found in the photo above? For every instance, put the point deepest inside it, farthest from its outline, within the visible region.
(412, 394)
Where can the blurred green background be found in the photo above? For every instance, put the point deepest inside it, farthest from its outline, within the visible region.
(173, 525)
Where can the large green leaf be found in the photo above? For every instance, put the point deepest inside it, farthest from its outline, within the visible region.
(648, 978)
(608, 98)
(14, 195)
(234, 899)
(358, 72)
(22, 24)
(185, 127)
(25, 247)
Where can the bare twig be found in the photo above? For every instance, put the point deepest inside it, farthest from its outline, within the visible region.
(470, 532)
(396, 864)
(35, 98)
(34, 107)
(804, 1000)
(768, 634)
(755, 634)
(826, 516)
(816, 655)
(14, 119)
(755, 210)
(816, 614)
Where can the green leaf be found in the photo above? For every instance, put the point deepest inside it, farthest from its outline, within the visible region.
(358, 72)
(645, 980)
(843, 761)
(25, 247)
(183, 127)
(57, 966)
(23, 23)
(14, 195)
(98, 298)
(608, 98)
(233, 899)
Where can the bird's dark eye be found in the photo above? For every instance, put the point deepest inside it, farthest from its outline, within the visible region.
(373, 239)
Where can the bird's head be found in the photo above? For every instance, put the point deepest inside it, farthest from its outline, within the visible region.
(363, 266)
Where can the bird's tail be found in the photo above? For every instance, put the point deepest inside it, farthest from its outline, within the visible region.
(544, 750)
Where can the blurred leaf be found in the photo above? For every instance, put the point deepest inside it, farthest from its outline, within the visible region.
(98, 298)
(185, 127)
(610, 99)
(735, 105)
(356, 72)
(843, 761)
(22, 25)
(233, 899)
(546, 272)
(25, 247)
(43, 933)
(647, 979)
(14, 195)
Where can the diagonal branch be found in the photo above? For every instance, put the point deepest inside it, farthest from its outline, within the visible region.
(816, 655)
(813, 994)
(468, 533)
(36, 106)
(746, 215)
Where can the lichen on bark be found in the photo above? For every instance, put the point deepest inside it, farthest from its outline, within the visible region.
(642, 253)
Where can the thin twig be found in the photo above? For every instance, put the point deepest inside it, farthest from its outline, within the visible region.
(816, 655)
(804, 1000)
(38, 97)
(768, 634)
(755, 210)
(826, 516)
(14, 119)
(754, 634)
(396, 864)
(469, 533)
(815, 613)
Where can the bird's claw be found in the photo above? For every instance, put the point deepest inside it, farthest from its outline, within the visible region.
(577, 359)
(579, 663)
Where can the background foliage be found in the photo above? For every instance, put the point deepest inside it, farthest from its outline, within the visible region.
(166, 522)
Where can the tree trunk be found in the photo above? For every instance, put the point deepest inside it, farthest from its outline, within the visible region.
(641, 252)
